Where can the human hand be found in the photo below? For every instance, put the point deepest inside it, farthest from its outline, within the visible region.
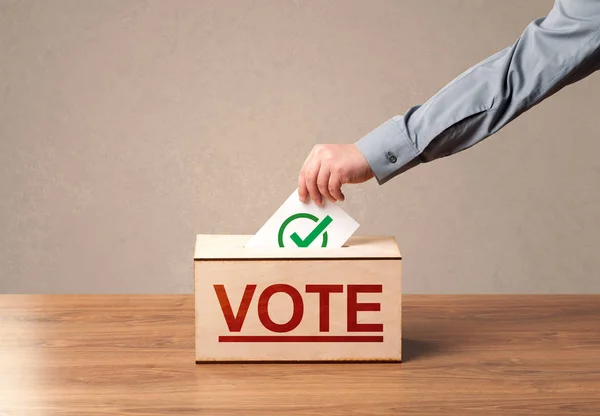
(327, 168)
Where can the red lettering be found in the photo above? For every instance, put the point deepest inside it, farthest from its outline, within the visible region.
(354, 307)
(263, 308)
(324, 291)
(234, 323)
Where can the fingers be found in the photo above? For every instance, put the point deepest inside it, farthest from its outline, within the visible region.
(302, 188)
(323, 182)
(320, 177)
(311, 175)
(335, 187)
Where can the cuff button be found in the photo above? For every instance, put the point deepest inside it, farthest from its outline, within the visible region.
(391, 157)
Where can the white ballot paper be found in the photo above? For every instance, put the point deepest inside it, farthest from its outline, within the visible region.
(299, 225)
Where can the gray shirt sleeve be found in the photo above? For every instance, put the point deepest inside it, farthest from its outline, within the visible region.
(551, 53)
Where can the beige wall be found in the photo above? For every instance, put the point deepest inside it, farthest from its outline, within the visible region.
(126, 127)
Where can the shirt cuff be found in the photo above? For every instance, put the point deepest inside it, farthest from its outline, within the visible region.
(389, 150)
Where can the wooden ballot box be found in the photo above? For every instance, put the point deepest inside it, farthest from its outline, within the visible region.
(297, 304)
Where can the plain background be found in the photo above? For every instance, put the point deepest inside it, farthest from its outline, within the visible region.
(127, 127)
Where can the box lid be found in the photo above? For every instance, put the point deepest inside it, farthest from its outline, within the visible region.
(228, 247)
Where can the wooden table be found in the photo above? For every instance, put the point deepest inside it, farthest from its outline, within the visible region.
(133, 355)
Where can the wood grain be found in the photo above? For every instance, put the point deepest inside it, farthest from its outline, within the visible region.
(134, 355)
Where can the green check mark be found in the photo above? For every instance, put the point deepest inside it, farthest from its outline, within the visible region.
(313, 234)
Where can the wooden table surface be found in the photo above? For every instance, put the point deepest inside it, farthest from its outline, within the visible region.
(133, 355)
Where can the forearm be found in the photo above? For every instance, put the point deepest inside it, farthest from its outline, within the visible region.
(551, 53)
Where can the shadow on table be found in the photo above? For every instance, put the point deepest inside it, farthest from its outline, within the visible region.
(413, 349)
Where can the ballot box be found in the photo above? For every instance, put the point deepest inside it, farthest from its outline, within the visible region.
(297, 304)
